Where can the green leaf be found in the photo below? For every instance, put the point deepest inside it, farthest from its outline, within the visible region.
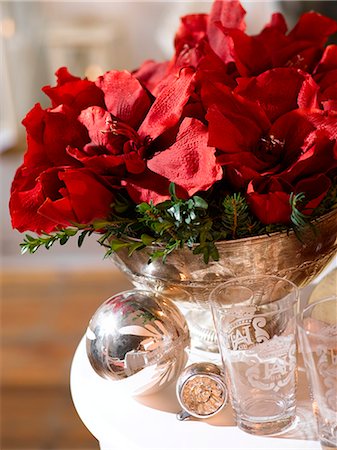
(143, 207)
(49, 244)
(121, 205)
(200, 202)
(71, 231)
(135, 246)
(160, 227)
(81, 238)
(156, 255)
(99, 224)
(146, 239)
(175, 212)
(172, 191)
(64, 239)
(214, 253)
(24, 249)
(116, 245)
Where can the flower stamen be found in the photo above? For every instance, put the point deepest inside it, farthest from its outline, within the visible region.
(270, 144)
(119, 128)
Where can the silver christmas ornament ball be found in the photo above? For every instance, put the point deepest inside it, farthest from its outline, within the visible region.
(139, 339)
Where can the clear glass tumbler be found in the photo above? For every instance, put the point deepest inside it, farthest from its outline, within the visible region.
(317, 330)
(255, 321)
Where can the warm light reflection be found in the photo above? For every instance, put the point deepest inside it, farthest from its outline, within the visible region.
(93, 71)
(7, 28)
(109, 323)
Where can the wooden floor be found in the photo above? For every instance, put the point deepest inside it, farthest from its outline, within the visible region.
(44, 313)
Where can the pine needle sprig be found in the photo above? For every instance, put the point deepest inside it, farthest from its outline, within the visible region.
(300, 221)
(236, 218)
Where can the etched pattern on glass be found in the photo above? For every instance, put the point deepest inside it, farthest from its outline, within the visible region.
(262, 364)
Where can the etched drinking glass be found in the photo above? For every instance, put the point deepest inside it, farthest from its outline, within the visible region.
(317, 330)
(255, 321)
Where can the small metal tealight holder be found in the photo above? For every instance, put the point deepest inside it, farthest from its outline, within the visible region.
(201, 391)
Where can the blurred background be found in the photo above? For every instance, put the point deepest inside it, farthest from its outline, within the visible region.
(47, 299)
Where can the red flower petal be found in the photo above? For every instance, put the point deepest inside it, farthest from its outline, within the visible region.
(293, 130)
(279, 91)
(192, 29)
(124, 96)
(49, 132)
(72, 91)
(277, 23)
(229, 13)
(97, 120)
(151, 73)
(251, 55)
(324, 120)
(225, 14)
(243, 161)
(235, 123)
(33, 121)
(212, 69)
(328, 61)
(268, 198)
(85, 199)
(326, 77)
(330, 105)
(319, 158)
(270, 208)
(149, 187)
(26, 197)
(168, 106)
(189, 162)
(313, 27)
(315, 189)
(231, 134)
(100, 163)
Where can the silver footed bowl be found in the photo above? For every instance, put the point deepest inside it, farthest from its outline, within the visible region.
(186, 278)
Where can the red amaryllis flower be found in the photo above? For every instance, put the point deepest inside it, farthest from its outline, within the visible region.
(189, 163)
(50, 133)
(269, 196)
(122, 134)
(302, 48)
(325, 75)
(248, 142)
(200, 43)
(57, 197)
(256, 113)
(124, 139)
(307, 175)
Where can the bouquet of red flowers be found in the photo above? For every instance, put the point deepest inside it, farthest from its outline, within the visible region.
(234, 136)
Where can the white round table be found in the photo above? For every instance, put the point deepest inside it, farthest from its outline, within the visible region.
(121, 422)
